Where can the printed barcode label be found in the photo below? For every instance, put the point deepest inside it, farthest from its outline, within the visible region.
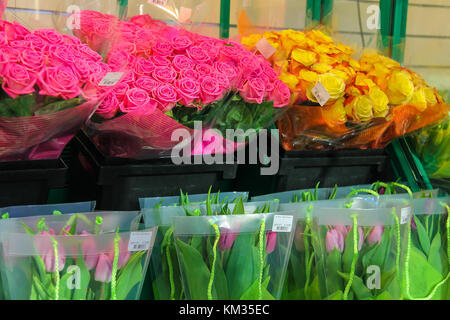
(158, 2)
(139, 241)
(282, 223)
(265, 48)
(110, 79)
(321, 93)
(405, 215)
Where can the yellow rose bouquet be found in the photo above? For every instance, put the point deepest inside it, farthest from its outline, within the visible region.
(338, 101)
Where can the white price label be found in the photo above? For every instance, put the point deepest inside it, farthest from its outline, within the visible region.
(111, 79)
(140, 241)
(405, 215)
(321, 93)
(282, 223)
(162, 3)
(266, 49)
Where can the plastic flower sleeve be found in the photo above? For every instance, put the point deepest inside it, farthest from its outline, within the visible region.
(360, 253)
(233, 257)
(38, 210)
(76, 267)
(51, 85)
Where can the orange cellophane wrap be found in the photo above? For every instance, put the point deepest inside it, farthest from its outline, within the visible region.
(306, 127)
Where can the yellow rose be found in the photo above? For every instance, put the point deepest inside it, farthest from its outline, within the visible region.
(334, 85)
(353, 91)
(380, 102)
(321, 67)
(430, 96)
(304, 57)
(341, 74)
(362, 108)
(324, 58)
(335, 113)
(319, 36)
(290, 80)
(355, 64)
(309, 76)
(250, 41)
(345, 49)
(362, 81)
(400, 87)
(419, 100)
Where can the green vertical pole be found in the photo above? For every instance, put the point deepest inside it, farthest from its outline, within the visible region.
(399, 30)
(123, 6)
(225, 19)
(327, 10)
(386, 8)
(313, 13)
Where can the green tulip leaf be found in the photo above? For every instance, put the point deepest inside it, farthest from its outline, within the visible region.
(220, 280)
(130, 276)
(85, 278)
(337, 295)
(359, 288)
(385, 295)
(423, 237)
(333, 266)
(253, 292)
(436, 257)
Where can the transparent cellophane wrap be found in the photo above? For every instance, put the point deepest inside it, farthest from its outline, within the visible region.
(372, 98)
(161, 55)
(164, 264)
(84, 262)
(432, 145)
(240, 255)
(50, 89)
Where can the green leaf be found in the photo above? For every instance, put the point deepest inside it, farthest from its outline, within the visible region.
(435, 255)
(385, 295)
(253, 292)
(358, 287)
(28, 230)
(337, 295)
(59, 106)
(18, 107)
(64, 292)
(423, 237)
(85, 277)
(333, 266)
(239, 207)
(220, 280)
(195, 272)
(130, 276)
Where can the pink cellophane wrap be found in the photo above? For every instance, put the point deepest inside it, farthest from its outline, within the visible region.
(42, 136)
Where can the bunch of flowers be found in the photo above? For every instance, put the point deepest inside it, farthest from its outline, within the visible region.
(44, 72)
(187, 76)
(374, 90)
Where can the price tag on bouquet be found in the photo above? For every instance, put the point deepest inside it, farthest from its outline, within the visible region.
(405, 215)
(282, 223)
(111, 79)
(321, 93)
(140, 241)
(265, 48)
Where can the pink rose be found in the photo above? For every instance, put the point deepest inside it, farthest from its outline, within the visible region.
(198, 54)
(204, 69)
(12, 54)
(138, 100)
(253, 90)
(181, 62)
(51, 36)
(3, 38)
(4, 61)
(19, 44)
(120, 59)
(148, 84)
(89, 53)
(270, 72)
(60, 55)
(18, 80)
(32, 60)
(181, 43)
(121, 89)
(144, 67)
(36, 42)
(91, 89)
(167, 95)
(163, 48)
(126, 46)
(129, 78)
(82, 69)
(229, 53)
(189, 73)
(144, 41)
(188, 89)
(59, 81)
(160, 61)
(71, 40)
(165, 74)
(226, 69)
(211, 50)
(224, 82)
(210, 90)
(250, 66)
(109, 106)
(281, 95)
(20, 31)
(269, 83)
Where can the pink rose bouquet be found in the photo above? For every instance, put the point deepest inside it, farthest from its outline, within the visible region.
(176, 77)
(49, 88)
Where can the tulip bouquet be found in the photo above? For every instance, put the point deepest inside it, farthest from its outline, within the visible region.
(232, 256)
(165, 273)
(49, 90)
(75, 263)
(176, 78)
(367, 102)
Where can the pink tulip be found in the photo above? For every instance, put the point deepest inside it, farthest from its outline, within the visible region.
(343, 230)
(47, 252)
(271, 242)
(90, 252)
(334, 240)
(413, 224)
(124, 254)
(375, 235)
(104, 268)
(361, 238)
(227, 239)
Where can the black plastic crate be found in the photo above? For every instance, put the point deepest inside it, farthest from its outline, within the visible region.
(117, 184)
(29, 182)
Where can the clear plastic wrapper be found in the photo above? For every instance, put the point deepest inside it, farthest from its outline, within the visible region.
(182, 86)
(233, 257)
(164, 273)
(51, 82)
(360, 253)
(46, 266)
(152, 202)
(64, 208)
